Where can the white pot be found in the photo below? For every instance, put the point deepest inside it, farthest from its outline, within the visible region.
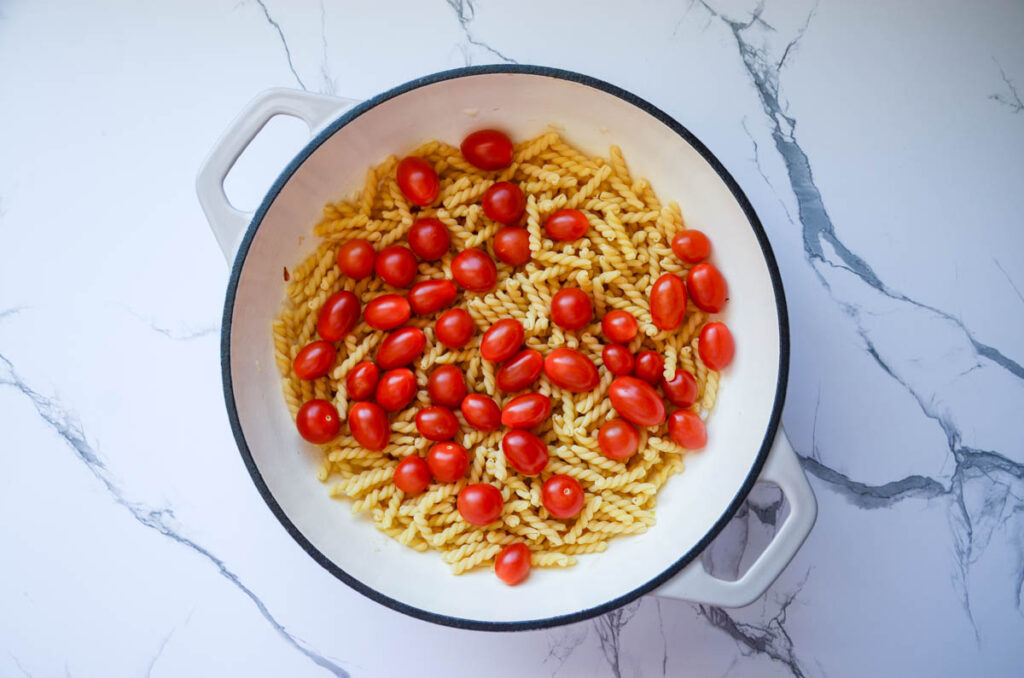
(745, 443)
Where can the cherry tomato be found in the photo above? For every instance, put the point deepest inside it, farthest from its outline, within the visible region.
(396, 389)
(431, 295)
(680, 390)
(480, 504)
(520, 370)
(446, 386)
(339, 315)
(481, 412)
(566, 225)
(429, 239)
(437, 423)
(526, 411)
(569, 369)
(504, 202)
(447, 461)
(387, 312)
(650, 367)
(412, 475)
(474, 270)
(617, 359)
(318, 421)
(314, 360)
(707, 287)
(562, 496)
(418, 180)
(512, 564)
(369, 425)
(687, 429)
(716, 346)
(525, 452)
(454, 328)
(487, 149)
(668, 301)
(571, 308)
(355, 258)
(619, 326)
(401, 347)
(512, 245)
(637, 401)
(362, 381)
(502, 339)
(618, 439)
(691, 246)
(396, 265)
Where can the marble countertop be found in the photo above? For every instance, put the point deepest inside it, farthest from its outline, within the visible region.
(881, 146)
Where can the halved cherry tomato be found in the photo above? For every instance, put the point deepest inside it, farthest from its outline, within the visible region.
(454, 328)
(447, 461)
(687, 429)
(481, 412)
(512, 245)
(480, 504)
(565, 225)
(525, 452)
(338, 316)
(314, 360)
(526, 411)
(487, 149)
(318, 421)
(635, 400)
(446, 386)
(412, 475)
(355, 258)
(396, 265)
(569, 369)
(680, 390)
(520, 370)
(418, 180)
(650, 367)
(707, 287)
(618, 439)
(474, 270)
(668, 301)
(396, 389)
(617, 359)
(619, 326)
(369, 425)
(362, 381)
(401, 347)
(436, 423)
(504, 202)
(387, 312)
(571, 308)
(512, 564)
(562, 496)
(430, 296)
(691, 246)
(716, 346)
(429, 239)
(502, 339)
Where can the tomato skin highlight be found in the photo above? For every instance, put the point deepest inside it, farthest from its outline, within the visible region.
(318, 421)
(502, 340)
(512, 245)
(668, 301)
(562, 496)
(569, 369)
(338, 316)
(571, 309)
(361, 382)
(417, 180)
(504, 202)
(455, 328)
(431, 296)
(356, 258)
(687, 429)
(566, 225)
(396, 265)
(401, 347)
(649, 366)
(636, 401)
(619, 326)
(474, 270)
(481, 412)
(314, 360)
(618, 439)
(436, 423)
(707, 287)
(480, 504)
(446, 386)
(369, 425)
(396, 389)
(387, 312)
(487, 149)
(512, 564)
(429, 239)
(680, 390)
(519, 371)
(526, 411)
(412, 475)
(525, 452)
(617, 359)
(716, 346)
(447, 461)
(691, 246)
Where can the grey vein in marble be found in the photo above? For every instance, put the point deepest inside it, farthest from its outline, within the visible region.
(465, 12)
(562, 643)
(20, 667)
(159, 652)
(1011, 99)
(182, 334)
(609, 629)
(284, 43)
(329, 86)
(1009, 280)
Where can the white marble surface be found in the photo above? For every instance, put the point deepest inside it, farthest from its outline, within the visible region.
(881, 144)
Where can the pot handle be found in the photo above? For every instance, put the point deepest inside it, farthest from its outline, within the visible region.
(694, 583)
(226, 221)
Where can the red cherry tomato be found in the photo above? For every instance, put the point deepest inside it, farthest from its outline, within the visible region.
(480, 504)
(396, 265)
(430, 296)
(429, 239)
(571, 308)
(512, 564)
(396, 389)
(525, 452)
(504, 202)
(619, 326)
(362, 381)
(446, 386)
(680, 390)
(520, 370)
(562, 496)
(454, 328)
(474, 270)
(569, 369)
(618, 439)
(512, 245)
(437, 423)
(412, 475)
(487, 149)
(314, 360)
(355, 258)
(369, 425)
(691, 246)
(566, 225)
(650, 367)
(687, 429)
(716, 346)
(448, 461)
(318, 421)
(617, 359)
(502, 339)
(418, 180)
(526, 411)
(668, 301)
(401, 347)
(635, 400)
(707, 287)
(481, 412)
(338, 316)
(387, 312)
